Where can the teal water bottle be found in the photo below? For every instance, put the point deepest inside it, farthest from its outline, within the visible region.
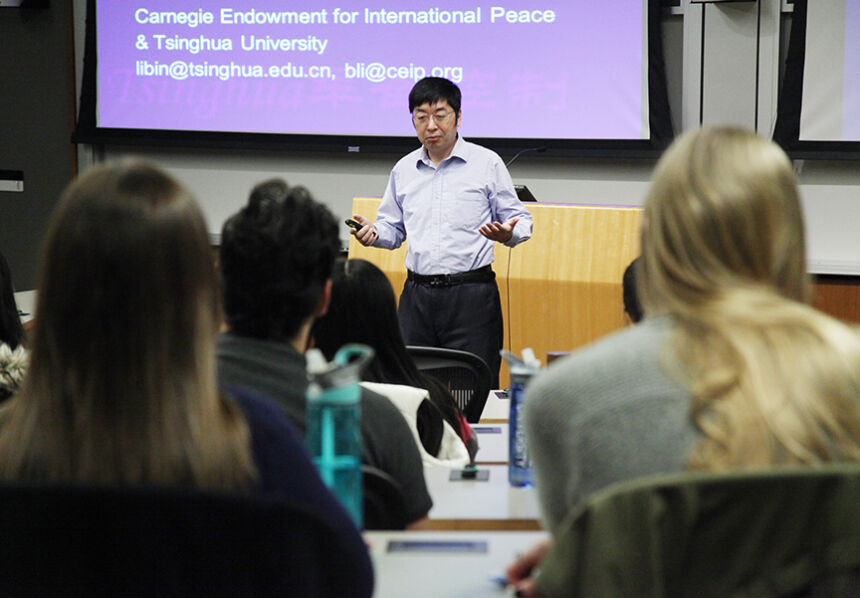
(333, 422)
(519, 462)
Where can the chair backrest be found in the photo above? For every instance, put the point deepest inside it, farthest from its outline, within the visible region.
(384, 502)
(464, 374)
(791, 531)
(94, 541)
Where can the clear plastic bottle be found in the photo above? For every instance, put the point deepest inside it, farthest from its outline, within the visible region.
(333, 422)
(519, 462)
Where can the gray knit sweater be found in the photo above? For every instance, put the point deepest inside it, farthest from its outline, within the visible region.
(606, 413)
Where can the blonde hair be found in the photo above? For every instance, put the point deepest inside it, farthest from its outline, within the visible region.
(121, 387)
(773, 381)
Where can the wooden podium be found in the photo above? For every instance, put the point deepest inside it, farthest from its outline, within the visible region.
(559, 290)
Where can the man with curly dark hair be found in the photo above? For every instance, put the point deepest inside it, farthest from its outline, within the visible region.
(276, 257)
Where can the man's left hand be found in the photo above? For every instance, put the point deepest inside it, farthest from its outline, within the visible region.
(496, 231)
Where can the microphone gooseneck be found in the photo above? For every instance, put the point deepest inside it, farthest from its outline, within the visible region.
(539, 149)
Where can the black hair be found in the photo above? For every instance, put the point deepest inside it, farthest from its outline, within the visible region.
(363, 310)
(276, 255)
(430, 90)
(631, 296)
(11, 330)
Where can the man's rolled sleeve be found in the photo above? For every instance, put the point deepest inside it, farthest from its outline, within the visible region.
(505, 204)
(522, 231)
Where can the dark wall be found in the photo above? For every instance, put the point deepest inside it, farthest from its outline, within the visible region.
(36, 114)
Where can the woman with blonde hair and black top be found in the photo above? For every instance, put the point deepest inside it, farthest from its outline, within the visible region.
(121, 387)
(729, 369)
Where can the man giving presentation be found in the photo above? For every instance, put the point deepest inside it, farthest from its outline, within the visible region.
(452, 199)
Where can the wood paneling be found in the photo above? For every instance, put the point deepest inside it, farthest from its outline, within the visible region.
(484, 524)
(838, 296)
(565, 283)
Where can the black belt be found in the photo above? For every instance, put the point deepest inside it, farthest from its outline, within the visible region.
(484, 274)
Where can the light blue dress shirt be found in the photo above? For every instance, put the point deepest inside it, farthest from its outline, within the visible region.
(443, 206)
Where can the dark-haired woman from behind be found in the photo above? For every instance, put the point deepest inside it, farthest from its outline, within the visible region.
(13, 355)
(121, 390)
(363, 310)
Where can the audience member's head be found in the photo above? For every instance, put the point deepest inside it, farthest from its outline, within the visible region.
(11, 330)
(121, 387)
(276, 257)
(723, 212)
(363, 309)
(723, 254)
(632, 307)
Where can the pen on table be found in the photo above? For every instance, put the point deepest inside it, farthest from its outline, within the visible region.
(499, 580)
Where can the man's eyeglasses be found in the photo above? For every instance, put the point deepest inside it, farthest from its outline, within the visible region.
(423, 118)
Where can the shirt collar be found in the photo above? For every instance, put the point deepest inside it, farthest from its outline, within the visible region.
(460, 151)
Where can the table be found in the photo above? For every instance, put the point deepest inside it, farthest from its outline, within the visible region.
(492, 443)
(480, 505)
(496, 409)
(438, 569)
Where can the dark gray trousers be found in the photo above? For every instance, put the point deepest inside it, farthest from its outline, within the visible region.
(465, 316)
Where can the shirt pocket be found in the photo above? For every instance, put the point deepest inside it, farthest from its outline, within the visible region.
(466, 206)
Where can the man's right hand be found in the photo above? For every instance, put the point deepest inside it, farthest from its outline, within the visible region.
(366, 235)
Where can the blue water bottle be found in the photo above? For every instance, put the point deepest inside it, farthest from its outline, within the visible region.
(519, 463)
(334, 422)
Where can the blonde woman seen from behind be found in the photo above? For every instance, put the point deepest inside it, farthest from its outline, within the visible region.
(730, 367)
(772, 380)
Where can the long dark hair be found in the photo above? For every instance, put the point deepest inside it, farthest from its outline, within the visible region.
(11, 330)
(121, 386)
(363, 310)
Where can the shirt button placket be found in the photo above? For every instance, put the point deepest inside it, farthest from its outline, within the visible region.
(436, 220)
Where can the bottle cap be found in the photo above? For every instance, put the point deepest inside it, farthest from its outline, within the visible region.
(345, 369)
(528, 365)
(316, 363)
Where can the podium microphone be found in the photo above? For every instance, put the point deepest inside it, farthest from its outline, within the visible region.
(539, 149)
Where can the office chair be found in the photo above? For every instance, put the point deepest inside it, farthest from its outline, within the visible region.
(384, 503)
(464, 374)
(97, 541)
(782, 532)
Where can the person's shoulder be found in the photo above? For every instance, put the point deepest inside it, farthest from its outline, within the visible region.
(390, 446)
(277, 448)
(410, 159)
(229, 345)
(227, 341)
(619, 360)
(474, 151)
(377, 405)
(384, 426)
(263, 415)
(641, 339)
